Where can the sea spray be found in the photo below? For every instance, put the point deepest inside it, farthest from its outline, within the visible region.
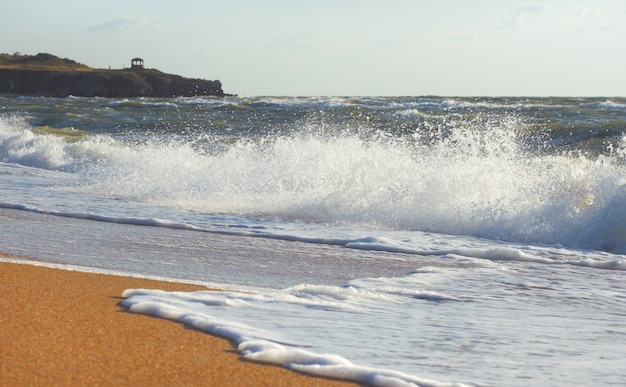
(460, 168)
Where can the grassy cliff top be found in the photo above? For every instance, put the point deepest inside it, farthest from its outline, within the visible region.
(50, 76)
(40, 61)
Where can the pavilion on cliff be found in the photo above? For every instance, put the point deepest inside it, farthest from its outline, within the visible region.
(136, 63)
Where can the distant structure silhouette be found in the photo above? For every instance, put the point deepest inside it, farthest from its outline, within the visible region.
(136, 63)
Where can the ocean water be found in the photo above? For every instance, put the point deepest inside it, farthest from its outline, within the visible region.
(390, 241)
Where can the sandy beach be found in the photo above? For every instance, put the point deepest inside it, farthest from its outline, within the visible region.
(63, 327)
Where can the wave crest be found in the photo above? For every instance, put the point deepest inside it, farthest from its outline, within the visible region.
(478, 177)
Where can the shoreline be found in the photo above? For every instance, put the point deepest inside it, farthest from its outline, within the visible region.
(64, 327)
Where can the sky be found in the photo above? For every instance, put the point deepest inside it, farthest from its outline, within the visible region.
(342, 47)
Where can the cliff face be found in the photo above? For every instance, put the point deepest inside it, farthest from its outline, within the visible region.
(48, 76)
(103, 83)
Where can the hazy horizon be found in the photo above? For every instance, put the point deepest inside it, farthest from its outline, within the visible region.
(343, 48)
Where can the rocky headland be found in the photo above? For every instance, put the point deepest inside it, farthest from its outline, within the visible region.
(46, 75)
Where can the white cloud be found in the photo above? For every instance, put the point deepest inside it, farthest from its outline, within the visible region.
(518, 18)
(582, 19)
(536, 7)
(128, 23)
(581, 12)
(494, 23)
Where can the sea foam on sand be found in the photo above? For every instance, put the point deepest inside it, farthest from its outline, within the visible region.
(195, 309)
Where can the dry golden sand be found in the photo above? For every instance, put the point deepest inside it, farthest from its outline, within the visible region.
(60, 327)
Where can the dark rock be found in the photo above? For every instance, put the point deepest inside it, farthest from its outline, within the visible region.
(49, 76)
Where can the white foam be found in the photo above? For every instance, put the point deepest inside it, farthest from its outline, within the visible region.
(609, 105)
(426, 244)
(195, 309)
(484, 318)
(472, 177)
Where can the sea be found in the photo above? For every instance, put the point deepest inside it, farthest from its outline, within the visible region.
(391, 241)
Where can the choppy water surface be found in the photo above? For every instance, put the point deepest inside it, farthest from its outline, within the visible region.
(470, 240)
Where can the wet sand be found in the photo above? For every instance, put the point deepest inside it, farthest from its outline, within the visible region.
(63, 327)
